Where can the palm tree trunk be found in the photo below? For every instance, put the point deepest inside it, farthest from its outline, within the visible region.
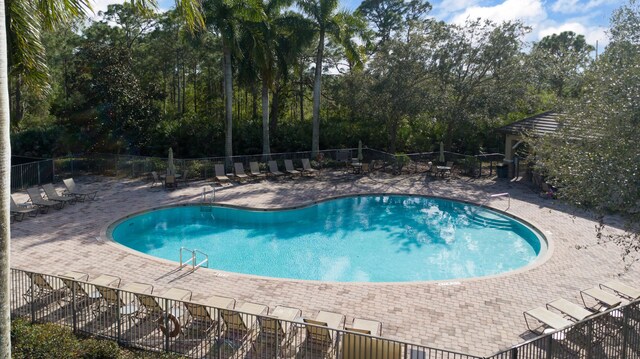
(266, 149)
(228, 105)
(315, 134)
(5, 193)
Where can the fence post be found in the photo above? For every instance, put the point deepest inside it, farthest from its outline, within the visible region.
(514, 353)
(118, 321)
(39, 182)
(33, 304)
(73, 307)
(626, 312)
(166, 324)
(21, 177)
(549, 346)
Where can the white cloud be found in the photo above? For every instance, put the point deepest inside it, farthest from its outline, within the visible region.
(101, 5)
(576, 6)
(445, 7)
(529, 11)
(591, 33)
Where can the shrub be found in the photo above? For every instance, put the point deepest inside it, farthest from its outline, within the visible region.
(98, 349)
(42, 341)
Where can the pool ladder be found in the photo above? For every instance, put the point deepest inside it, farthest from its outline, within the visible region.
(192, 260)
(495, 195)
(211, 195)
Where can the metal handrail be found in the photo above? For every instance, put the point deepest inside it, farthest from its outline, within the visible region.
(190, 260)
(496, 195)
(205, 261)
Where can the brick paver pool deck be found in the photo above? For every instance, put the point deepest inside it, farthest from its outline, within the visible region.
(477, 316)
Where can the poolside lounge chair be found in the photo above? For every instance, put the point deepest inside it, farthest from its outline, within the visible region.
(366, 326)
(288, 167)
(355, 346)
(273, 169)
(573, 311)
(306, 167)
(37, 200)
(241, 325)
(221, 176)
(205, 315)
(79, 292)
(622, 290)
(20, 211)
(548, 320)
(43, 290)
(277, 331)
(53, 195)
(239, 171)
(154, 311)
(125, 302)
(320, 339)
(255, 170)
(78, 193)
(603, 300)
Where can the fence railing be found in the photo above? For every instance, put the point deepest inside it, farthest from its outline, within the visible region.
(175, 324)
(31, 174)
(203, 168)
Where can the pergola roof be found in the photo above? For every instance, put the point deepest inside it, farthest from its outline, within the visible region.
(537, 125)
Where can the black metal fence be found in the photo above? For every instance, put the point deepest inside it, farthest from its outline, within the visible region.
(31, 174)
(203, 168)
(102, 307)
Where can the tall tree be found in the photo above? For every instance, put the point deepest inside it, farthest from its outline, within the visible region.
(594, 157)
(390, 16)
(327, 22)
(225, 17)
(559, 61)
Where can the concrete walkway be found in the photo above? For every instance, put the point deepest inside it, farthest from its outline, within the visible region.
(477, 316)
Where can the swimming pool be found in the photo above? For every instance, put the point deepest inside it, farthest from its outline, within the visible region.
(377, 238)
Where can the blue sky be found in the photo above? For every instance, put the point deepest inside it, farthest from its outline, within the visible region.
(586, 17)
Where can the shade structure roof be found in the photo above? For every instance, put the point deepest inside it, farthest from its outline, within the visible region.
(537, 125)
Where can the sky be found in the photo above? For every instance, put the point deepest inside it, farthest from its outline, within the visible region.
(587, 17)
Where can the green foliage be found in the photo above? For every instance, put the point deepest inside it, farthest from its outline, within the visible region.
(594, 159)
(45, 341)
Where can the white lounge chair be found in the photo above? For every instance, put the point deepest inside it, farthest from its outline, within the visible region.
(53, 195)
(547, 319)
(574, 311)
(288, 167)
(255, 170)
(221, 176)
(306, 167)
(36, 198)
(78, 193)
(20, 211)
(273, 169)
(239, 171)
(622, 290)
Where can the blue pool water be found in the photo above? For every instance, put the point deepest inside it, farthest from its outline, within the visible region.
(354, 239)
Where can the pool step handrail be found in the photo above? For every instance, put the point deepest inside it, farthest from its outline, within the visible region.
(188, 261)
(212, 197)
(205, 261)
(496, 195)
(193, 258)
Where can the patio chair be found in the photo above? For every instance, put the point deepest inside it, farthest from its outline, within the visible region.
(155, 179)
(288, 167)
(241, 325)
(277, 332)
(80, 292)
(221, 176)
(20, 211)
(574, 311)
(547, 320)
(306, 167)
(170, 182)
(168, 319)
(125, 302)
(53, 195)
(205, 315)
(255, 170)
(78, 193)
(366, 326)
(273, 169)
(357, 346)
(37, 200)
(622, 290)
(239, 171)
(320, 339)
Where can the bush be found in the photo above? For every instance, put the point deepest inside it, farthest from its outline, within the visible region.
(42, 341)
(35, 341)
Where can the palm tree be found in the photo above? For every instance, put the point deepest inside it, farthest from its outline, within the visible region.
(225, 18)
(21, 22)
(327, 21)
(277, 41)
